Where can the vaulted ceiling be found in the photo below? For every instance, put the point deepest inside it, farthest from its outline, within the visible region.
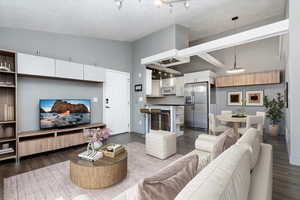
(102, 19)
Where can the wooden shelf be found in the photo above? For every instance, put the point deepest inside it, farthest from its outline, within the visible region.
(7, 72)
(8, 96)
(50, 131)
(34, 142)
(7, 122)
(8, 156)
(7, 86)
(10, 139)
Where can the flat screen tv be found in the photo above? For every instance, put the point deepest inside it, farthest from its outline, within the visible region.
(59, 113)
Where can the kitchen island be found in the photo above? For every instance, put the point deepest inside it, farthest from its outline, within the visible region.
(168, 117)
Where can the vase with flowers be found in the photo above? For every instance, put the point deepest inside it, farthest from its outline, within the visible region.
(95, 137)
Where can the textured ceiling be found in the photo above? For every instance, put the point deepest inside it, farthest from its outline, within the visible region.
(101, 18)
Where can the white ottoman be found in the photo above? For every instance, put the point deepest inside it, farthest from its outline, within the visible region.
(160, 144)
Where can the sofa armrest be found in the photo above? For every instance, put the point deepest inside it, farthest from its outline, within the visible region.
(206, 142)
(261, 177)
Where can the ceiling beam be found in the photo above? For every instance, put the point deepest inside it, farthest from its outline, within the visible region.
(263, 32)
(212, 60)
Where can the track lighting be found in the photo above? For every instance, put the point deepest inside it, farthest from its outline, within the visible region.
(186, 4)
(159, 3)
(119, 4)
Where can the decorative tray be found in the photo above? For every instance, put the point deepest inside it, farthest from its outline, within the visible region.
(110, 154)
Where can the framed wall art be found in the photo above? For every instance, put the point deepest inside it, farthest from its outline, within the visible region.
(255, 98)
(235, 98)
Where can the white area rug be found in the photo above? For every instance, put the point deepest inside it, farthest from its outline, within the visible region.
(53, 182)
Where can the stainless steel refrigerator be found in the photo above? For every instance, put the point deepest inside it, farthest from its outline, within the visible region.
(196, 109)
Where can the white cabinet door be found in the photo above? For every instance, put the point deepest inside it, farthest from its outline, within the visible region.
(179, 86)
(35, 65)
(93, 73)
(148, 82)
(156, 88)
(70, 70)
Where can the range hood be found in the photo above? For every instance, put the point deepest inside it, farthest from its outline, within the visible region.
(165, 59)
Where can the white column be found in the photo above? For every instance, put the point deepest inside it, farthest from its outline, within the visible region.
(294, 81)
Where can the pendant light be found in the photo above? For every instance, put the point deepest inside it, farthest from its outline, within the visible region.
(235, 69)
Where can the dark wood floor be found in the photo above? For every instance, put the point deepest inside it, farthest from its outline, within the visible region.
(286, 178)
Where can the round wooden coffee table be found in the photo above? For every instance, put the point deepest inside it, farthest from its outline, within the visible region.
(103, 173)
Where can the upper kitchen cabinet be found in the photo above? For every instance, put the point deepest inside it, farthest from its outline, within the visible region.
(69, 70)
(93, 73)
(202, 76)
(35, 65)
(179, 86)
(148, 82)
(258, 78)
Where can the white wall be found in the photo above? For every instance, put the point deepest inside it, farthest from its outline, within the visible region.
(294, 81)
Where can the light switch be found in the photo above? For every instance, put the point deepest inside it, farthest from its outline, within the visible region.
(140, 75)
(141, 99)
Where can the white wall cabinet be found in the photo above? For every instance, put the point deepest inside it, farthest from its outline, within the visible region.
(202, 76)
(69, 70)
(179, 82)
(48, 67)
(93, 73)
(156, 88)
(148, 82)
(35, 65)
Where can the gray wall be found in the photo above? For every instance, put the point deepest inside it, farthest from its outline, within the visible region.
(30, 90)
(294, 81)
(105, 53)
(269, 90)
(152, 44)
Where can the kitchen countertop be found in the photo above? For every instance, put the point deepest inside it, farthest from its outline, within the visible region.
(166, 105)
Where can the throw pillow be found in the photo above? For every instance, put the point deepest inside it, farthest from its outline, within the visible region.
(168, 182)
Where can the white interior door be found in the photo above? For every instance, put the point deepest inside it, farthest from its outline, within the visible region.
(117, 101)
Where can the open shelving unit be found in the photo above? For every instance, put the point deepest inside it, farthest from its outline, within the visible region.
(8, 103)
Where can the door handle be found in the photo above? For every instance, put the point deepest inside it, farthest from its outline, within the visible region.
(107, 106)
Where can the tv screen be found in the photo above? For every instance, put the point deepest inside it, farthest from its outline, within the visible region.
(58, 113)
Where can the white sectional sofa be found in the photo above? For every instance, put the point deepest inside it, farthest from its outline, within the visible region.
(242, 172)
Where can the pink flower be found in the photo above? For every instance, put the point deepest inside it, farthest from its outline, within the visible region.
(94, 135)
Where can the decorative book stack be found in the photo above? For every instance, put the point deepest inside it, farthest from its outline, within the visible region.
(7, 150)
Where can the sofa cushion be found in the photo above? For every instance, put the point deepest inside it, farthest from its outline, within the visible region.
(230, 139)
(261, 176)
(203, 158)
(226, 177)
(251, 138)
(210, 143)
(168, 182)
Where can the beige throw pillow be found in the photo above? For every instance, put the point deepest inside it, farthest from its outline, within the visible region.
(168, 182)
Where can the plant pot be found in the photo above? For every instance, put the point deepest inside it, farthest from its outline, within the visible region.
(274, 129)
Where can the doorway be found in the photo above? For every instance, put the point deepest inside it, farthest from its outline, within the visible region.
(116, 105)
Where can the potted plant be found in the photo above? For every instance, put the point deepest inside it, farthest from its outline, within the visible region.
(274, 112)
